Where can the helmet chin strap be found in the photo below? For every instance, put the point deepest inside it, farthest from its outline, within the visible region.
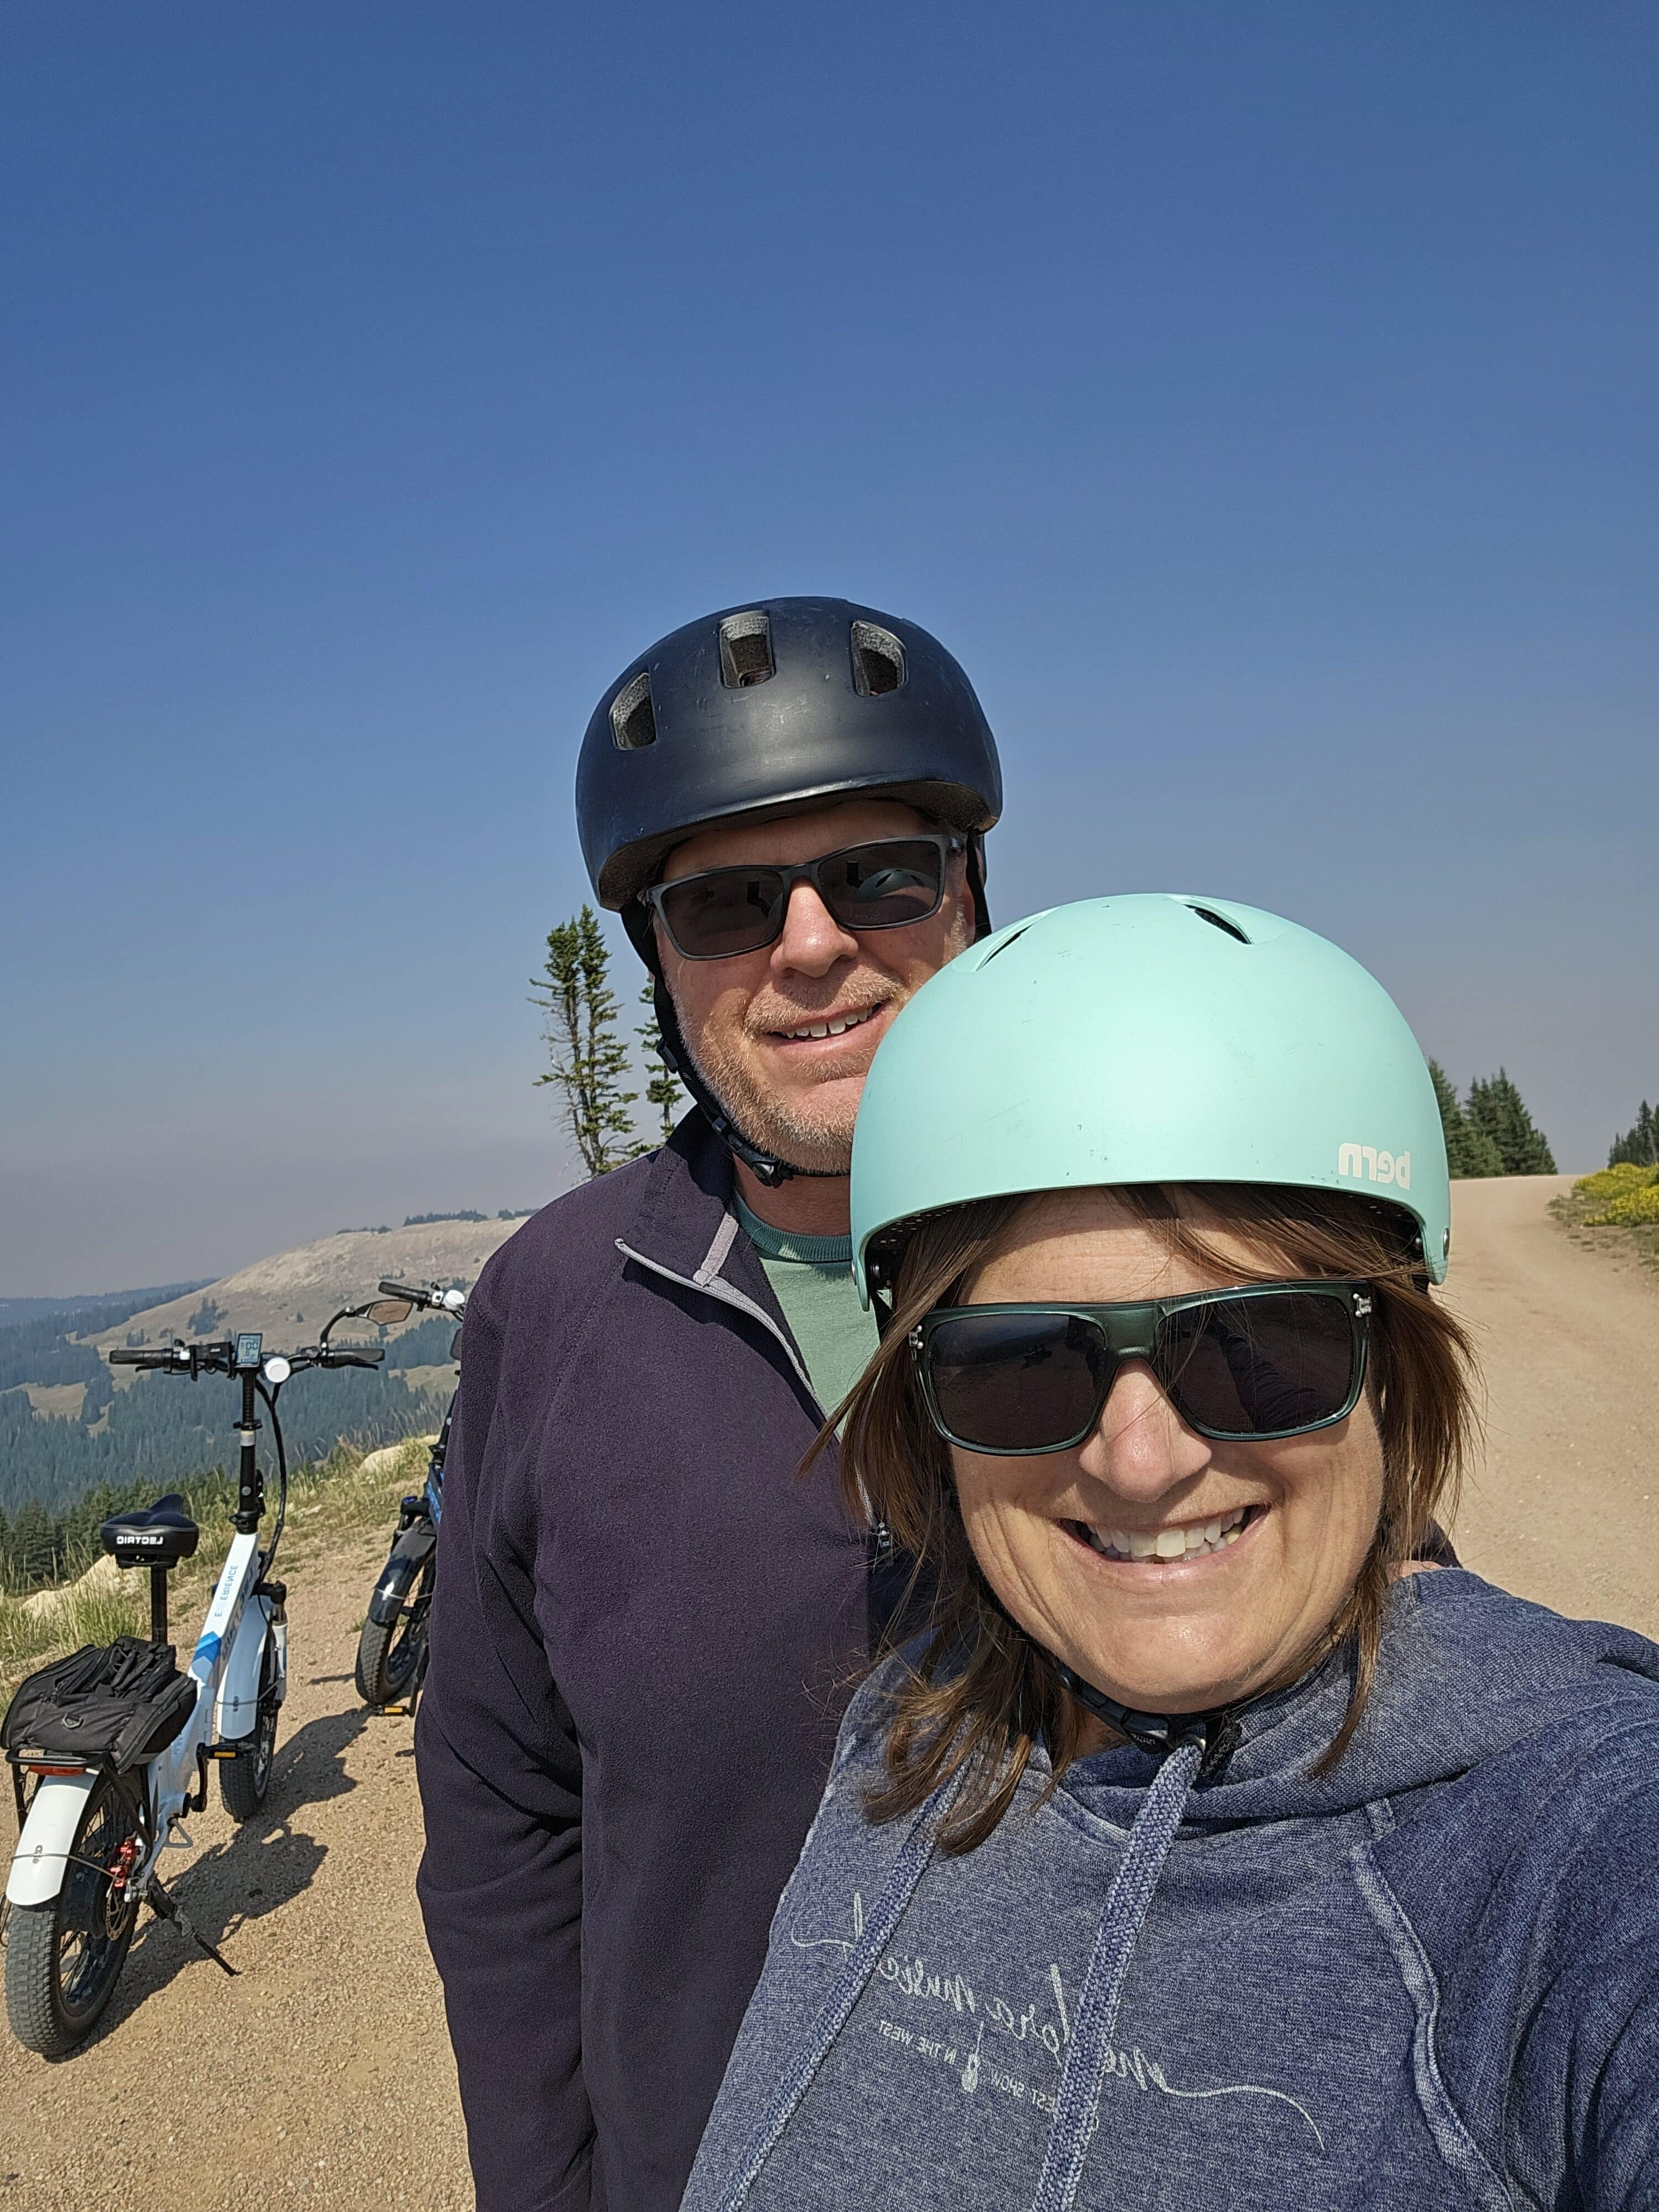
(765, 1167)
(1156, 1734)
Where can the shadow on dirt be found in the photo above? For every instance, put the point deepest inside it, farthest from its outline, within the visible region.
(263, 1865)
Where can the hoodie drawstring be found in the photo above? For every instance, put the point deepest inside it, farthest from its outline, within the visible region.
(1077, 2101)
(862, 1959)
(1072, 2129)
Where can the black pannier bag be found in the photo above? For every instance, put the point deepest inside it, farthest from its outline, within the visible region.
(123, 1701)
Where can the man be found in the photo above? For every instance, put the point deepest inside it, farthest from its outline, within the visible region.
(648, 1618)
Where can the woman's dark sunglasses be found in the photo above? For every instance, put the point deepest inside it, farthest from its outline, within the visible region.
(1277, 1359)
(884, 885)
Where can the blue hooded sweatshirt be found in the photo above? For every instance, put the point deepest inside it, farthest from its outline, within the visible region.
(1426, 1981)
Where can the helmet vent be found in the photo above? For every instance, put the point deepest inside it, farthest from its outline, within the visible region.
(878, 660)
(632, 722)
(1013, 938)
(745, 651)
(1219, 921)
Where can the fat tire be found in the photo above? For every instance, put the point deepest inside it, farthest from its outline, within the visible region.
(244, 1781)
(381, 1680)
(34, 1934)
(31, 1977)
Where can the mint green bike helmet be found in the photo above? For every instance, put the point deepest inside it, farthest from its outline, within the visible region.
(1152, 1038)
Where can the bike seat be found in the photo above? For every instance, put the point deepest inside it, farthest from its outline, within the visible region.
(158, 1536)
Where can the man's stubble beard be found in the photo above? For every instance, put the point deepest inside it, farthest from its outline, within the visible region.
(812, 1146)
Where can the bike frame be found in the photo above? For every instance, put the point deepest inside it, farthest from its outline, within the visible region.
(228, 1664)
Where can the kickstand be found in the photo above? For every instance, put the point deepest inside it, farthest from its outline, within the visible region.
(164, 1907)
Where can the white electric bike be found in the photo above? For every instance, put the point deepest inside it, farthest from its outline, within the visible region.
(92, 1827)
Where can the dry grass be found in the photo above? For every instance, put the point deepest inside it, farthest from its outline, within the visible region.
(348, 1492)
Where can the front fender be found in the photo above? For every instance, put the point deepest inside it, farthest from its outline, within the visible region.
(409, 1555)
(238, 1704)
(39, 1864)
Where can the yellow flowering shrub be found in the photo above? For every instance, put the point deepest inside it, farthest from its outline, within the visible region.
(1630, 1195)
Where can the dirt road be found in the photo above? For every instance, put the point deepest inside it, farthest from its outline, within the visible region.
(1565, 1507)
(322, 2073)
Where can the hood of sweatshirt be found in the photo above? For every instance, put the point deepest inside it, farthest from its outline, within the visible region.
(1470, 1672)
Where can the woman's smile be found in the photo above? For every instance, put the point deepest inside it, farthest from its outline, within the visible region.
(1177, 1547)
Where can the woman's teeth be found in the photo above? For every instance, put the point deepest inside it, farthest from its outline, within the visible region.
(831, 1029)
(1191, 1542)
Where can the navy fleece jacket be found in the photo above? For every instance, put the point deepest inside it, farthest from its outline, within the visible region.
(646, 1627)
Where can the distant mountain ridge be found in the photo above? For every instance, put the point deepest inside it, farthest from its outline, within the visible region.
(289, 1295)
(70, 1424)
(15, 1311)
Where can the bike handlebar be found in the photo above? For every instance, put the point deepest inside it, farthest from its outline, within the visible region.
(431, 1296)
(219, 1359)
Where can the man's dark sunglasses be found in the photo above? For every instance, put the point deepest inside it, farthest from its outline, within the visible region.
(1277, 1359)
(884, 885)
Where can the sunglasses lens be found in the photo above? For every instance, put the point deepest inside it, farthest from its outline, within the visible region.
(1015, 1382)
(727, 910)
(1257, 1365)
(884, 885)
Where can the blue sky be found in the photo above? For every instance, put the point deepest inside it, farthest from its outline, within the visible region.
(1259, 401)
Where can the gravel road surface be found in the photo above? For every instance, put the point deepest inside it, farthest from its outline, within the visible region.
(1564, 1507)
(322, 2072)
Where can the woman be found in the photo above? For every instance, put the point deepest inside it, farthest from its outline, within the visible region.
(1205, 1856)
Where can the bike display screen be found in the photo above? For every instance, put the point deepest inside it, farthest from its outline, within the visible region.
(248, 1347)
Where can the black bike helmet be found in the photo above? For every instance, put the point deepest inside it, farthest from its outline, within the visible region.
(761, 711)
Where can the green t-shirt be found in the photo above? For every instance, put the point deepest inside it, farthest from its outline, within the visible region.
(812, 1278)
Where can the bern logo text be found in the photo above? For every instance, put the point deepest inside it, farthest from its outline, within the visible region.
(1367, 1165)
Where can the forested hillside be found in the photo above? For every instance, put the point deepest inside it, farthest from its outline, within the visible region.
(166, 1428)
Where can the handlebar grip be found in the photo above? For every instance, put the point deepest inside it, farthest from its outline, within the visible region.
(136, 1355)
(355, 1355)
(392, 1290)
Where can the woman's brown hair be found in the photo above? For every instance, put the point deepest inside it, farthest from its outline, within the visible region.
(983, 1693)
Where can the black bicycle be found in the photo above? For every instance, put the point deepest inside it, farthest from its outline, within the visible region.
(391, 1651)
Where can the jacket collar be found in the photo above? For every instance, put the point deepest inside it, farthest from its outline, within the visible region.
(686, 1200)
(686, 1228)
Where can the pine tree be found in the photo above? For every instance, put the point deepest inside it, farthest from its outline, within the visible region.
(1469, 1150)
(590, 1061)
(1638, 1146)
(662, 1088)
(1496, 1106)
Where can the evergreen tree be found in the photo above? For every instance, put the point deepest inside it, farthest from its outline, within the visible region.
(590, 1061)
(662, 1088)
(1469, 1150)
(1638, 1146)
(1496, 1107)
(34, 1547)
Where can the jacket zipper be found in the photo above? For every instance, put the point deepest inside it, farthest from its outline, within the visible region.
(714, 1287)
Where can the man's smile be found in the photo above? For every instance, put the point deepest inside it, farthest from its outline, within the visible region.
(832, 1026)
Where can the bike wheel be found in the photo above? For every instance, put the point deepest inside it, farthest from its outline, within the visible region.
(244, 1781)
(62, 1957)
(391, 1654)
